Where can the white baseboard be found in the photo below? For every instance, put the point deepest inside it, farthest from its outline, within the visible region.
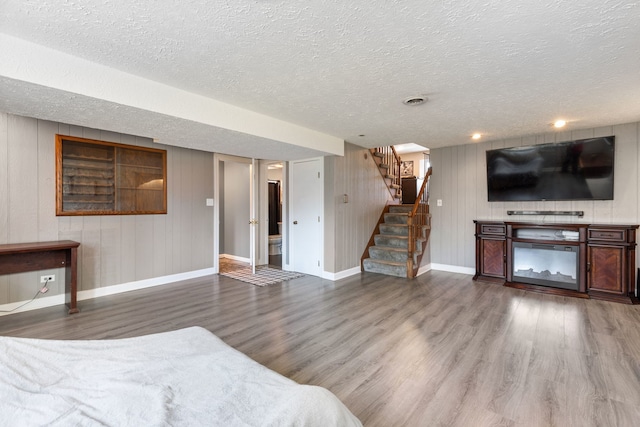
(340, 274)
(235, 258)
(452, 268)
(40, 302)
(439, 267)
(331, 276)
(107, 290)
(423, 269)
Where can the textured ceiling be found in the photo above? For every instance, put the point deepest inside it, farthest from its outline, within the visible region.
(342, 68)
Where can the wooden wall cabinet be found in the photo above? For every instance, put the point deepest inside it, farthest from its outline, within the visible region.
(491, 251)
(103, 178)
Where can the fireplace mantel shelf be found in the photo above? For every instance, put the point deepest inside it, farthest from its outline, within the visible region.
(604, 257)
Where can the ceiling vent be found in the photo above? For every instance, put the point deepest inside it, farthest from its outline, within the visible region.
(415, 100)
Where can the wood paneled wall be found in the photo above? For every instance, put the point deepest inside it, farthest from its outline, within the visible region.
(349, 225)
(114, 249)
(460, 181)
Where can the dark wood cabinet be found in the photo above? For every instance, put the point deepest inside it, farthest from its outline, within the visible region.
(611, 263)
(605, 266)
(409, 190)
(491, 251)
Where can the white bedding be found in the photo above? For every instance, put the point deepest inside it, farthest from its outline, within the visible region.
(187, 377)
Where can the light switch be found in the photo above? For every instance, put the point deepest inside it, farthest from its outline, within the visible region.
(209, 202)
(439, 202)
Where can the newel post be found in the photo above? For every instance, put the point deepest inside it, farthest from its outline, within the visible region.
(411, 245)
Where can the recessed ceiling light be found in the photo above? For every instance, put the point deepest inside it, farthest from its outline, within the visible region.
(476, 136)
(559, 123)
(415, 100)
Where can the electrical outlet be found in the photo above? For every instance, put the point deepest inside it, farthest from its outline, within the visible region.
(439, 202)
(48, 279)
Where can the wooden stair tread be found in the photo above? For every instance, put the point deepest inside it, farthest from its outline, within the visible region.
(390, 248)
(383, 261)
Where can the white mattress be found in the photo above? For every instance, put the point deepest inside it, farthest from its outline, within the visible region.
(187, 377)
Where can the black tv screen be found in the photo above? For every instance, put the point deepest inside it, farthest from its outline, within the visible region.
(572, 170)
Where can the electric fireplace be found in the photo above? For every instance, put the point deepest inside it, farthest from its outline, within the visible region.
(551, 265)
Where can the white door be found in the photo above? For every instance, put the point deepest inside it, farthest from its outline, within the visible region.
(305, 222)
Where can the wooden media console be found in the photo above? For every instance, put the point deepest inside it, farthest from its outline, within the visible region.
(580, 260)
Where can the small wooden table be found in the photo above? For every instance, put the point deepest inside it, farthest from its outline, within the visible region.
(21, 257)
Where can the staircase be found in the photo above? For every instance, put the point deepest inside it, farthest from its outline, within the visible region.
(388, 163)
(390, 253)
(400, 237)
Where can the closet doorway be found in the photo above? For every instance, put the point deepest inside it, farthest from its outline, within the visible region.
(275, 199)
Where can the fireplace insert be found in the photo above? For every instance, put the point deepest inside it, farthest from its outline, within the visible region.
(546, 265)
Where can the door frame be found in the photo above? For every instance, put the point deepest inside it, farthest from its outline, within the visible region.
(217, 159)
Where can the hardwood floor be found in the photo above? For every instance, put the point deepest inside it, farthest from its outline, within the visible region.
(440, 350)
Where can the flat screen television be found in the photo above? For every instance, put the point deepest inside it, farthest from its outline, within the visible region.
(571, 170)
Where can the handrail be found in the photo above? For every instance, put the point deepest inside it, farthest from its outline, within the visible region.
(397, 164)
(419, 223)
(423, 195)
(392, 160)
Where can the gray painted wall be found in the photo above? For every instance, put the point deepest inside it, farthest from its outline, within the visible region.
(348, 226)
(114, 249)
(459, 179)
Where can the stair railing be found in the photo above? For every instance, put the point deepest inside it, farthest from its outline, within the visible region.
(419, 222)
(391, 158)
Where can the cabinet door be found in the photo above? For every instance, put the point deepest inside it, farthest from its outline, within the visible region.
(606, 269)
(492, 254)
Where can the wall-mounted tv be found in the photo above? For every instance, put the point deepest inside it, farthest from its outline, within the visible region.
(571, 170)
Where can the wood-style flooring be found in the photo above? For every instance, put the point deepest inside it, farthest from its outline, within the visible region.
(441, 350)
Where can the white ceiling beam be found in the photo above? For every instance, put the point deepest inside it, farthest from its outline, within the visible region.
(39, 65)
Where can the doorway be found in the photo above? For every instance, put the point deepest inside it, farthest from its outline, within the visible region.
(233, 195)
(274, 206)
(244, 184)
